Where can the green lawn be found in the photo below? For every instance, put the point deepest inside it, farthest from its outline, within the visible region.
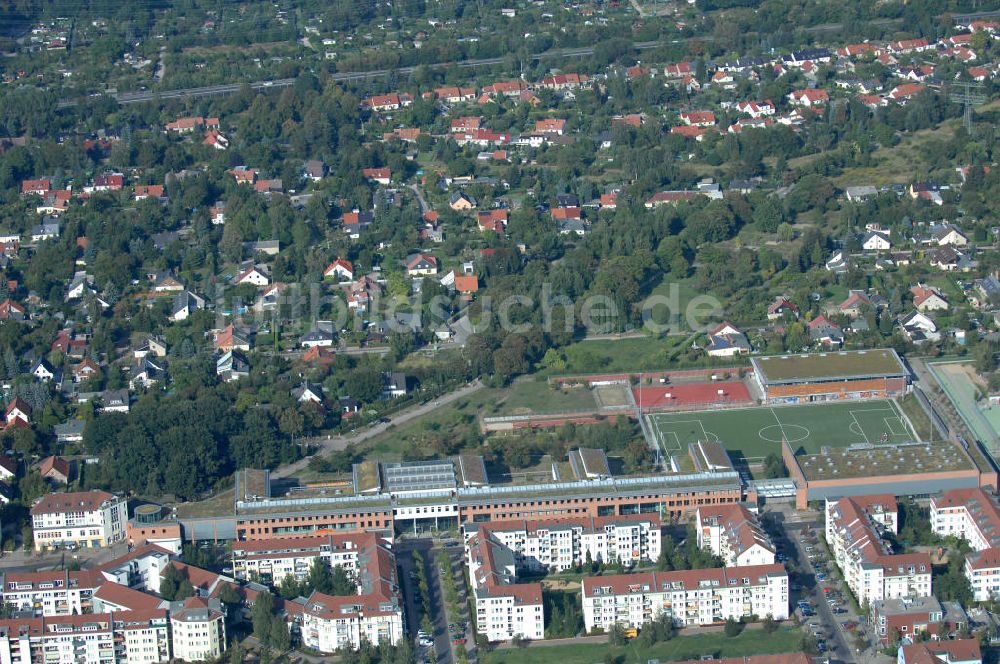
(456, 419)
(757, 432)
(529, 396)
(750, 642)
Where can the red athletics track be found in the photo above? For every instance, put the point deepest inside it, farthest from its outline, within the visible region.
(697, 394)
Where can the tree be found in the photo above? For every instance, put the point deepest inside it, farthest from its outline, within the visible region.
(171, 581)
(774, 467)
(260, 615)
(184, 590)
(769, 624)
(732, 628)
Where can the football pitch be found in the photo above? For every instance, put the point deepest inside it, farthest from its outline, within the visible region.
(757, 432)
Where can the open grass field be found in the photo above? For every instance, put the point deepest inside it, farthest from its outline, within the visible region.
(757, 432)
(529, 396)
(750, 642)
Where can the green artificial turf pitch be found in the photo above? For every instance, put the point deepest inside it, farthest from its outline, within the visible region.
(757, 432)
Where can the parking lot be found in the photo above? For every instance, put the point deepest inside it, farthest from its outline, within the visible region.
(817, 594)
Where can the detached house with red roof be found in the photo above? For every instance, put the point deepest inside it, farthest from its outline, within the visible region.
(39, 186)
(928, 298)
(340, 269)
(421, 265)
(780, 307)
(902, 93)
(11, 310)
(809, 98)
(382, 176)
(698, 118)
(18, 410)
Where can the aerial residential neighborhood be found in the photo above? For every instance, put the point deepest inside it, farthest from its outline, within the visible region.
(537, 332)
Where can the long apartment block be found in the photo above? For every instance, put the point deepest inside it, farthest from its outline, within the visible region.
(688, 598)
(854, 531)
(132, 637)
(272, 560)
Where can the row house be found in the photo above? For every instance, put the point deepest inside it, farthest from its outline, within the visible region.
(505, 89)
(872, 571)
(187, 125)
(688, 598)
(908, 617)
(733, 533)
(564, 81)
(454, 95)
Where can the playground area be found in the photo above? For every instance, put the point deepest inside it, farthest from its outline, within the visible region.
(753, 433)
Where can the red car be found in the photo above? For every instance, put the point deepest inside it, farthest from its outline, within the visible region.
(458, 641)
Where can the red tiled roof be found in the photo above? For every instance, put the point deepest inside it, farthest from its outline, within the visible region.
(59, 503)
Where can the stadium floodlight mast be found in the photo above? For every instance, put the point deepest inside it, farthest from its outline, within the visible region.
(967, 94)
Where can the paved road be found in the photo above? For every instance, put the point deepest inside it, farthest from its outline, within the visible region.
(229, 88)
(404, 555)
(424, 207)
(336, 443)
(840, 649)
(23, 561)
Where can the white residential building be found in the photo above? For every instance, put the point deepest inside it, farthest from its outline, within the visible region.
(969, 514)
(85, 519)
(497, 552)
(972, 515)
(733, 533)
(559, 544)
(374, 615)
(274, 559)
(872, 571)
(135, 637)
(198, 629)
(49, 594)
(330, 623)
(504, 608)
(688, 598)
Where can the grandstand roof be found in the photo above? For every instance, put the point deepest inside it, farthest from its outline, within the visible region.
(844, 365)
